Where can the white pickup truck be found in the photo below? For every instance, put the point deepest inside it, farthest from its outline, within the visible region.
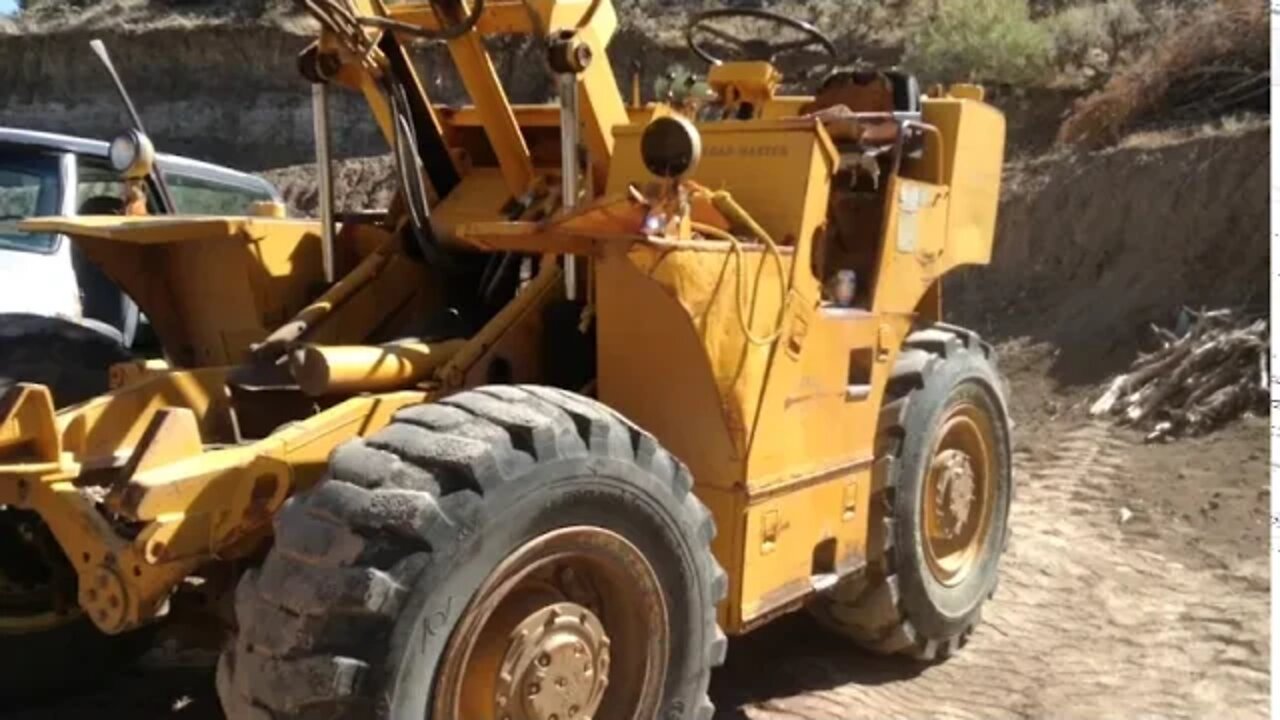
(62, 321)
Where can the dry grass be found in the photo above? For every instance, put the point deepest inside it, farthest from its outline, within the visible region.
(1216, 64)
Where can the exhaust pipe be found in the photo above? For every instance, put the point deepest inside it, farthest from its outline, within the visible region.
(324, 168)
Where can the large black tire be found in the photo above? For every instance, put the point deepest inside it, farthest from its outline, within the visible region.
(371, 570)
(73, 360)
(899, 606)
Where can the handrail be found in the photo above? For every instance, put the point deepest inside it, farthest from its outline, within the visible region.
(899, 147)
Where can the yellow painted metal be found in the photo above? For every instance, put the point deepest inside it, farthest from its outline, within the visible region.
(604, 109)
(209, 286)
(490, 101)
(103, 432)
(745, 83)
(213, 287)
(161, 444)
(269, 209)
(479, 198)
(784, 106)
(172, 435)
(511, 339)
(713, 332)
(127, 373)
(612, 219)
(351, 369)
(781, 437)
(789, 147)
(384, 288)
(27, 429)
(967, 91)
(505, 17)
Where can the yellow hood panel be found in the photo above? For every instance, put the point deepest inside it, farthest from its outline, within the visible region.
(159, 230)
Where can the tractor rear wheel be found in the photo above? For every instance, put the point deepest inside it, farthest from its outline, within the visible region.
(940, 514)
(509, 552)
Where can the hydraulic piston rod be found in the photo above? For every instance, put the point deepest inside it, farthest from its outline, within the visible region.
(324, 168)
(569, 57)
(569, 143)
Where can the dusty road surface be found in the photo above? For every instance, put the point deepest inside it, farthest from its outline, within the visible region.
(1136, 585)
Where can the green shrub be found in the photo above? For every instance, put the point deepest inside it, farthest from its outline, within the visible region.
(1111, 26)
(980, 40)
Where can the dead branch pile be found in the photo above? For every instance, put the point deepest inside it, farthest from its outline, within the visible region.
(1212, 370)
(1216, 64)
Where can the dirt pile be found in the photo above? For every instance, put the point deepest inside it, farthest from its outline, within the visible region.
(1093, 246)
(358, 184)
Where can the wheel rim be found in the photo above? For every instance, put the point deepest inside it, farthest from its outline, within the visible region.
(30, 601)
(572, 626)
(959, 495)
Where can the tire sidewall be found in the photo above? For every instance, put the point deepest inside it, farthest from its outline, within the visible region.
(71, 359)
(939, 611)
(554, 495)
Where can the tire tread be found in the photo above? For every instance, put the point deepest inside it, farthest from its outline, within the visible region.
(315, 618)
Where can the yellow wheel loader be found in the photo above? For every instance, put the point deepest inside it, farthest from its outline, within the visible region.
(607, 382)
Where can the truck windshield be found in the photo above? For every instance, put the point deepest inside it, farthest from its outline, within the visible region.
(29, 187)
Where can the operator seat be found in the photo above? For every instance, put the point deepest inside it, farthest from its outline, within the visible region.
(861, 109)
(864, 90)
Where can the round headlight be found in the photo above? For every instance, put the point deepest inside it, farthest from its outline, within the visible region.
(671, 147)
(132, 154)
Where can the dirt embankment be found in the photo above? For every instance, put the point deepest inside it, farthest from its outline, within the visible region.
(222, 84)
(230, 95)
(1092, 246)
(228, 90)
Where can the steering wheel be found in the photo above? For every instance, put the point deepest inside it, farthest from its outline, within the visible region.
(754, 48)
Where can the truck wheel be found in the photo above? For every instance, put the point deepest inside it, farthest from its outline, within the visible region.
(510, 551)
(940, 513)
(73, 360)
(42, 632)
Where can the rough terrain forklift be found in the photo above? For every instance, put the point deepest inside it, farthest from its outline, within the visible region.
(606, 382)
